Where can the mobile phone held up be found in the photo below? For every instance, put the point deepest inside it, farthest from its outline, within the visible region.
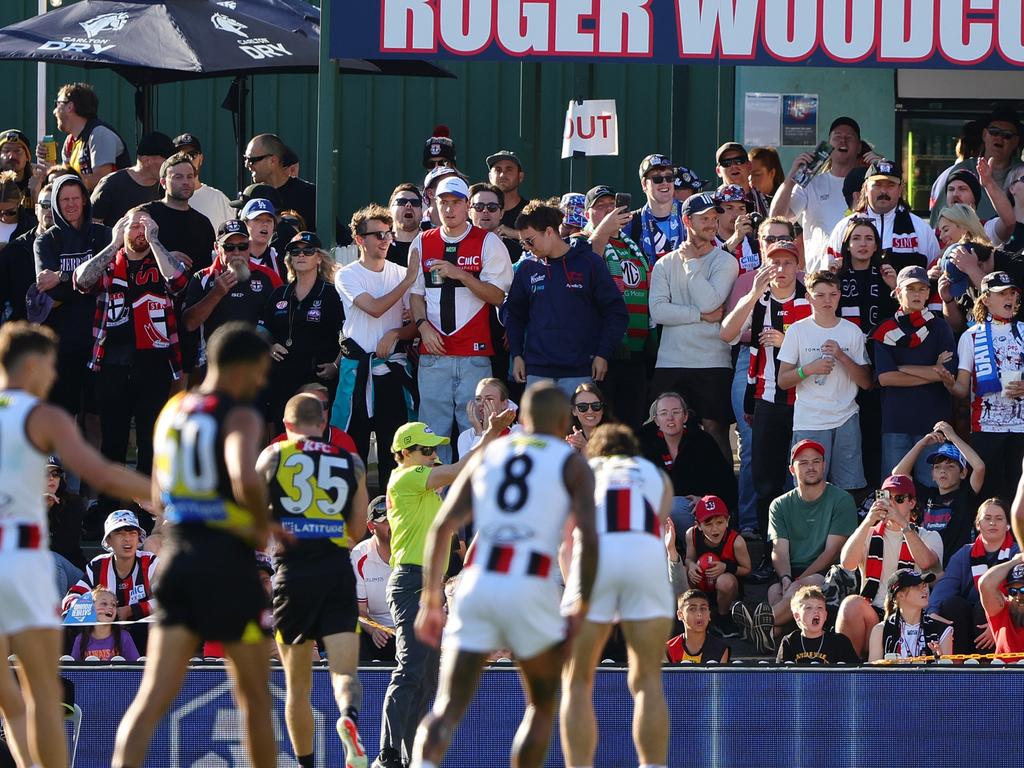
(623, 199)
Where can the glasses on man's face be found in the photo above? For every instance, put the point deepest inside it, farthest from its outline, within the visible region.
(526, 242)
(481, 207)
(385, 234)
(1000, 133)
(769, 239)
(401, 202)
(59, 103)
(729, 162)
(9, 213)
(253, 159)
(1015, 591)
(596, 407)
(659, 179)
(232, 247)
(44, 204)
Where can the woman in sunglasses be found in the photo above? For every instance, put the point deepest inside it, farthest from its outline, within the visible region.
(303, 319)
(589, 411)
(64, 511)
(14, 219)
(886, 540)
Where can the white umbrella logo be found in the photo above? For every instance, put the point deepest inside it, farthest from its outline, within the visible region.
(227, 24)
(112, 22)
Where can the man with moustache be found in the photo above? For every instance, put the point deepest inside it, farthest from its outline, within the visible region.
(406, 206)
(820, 203)
(230, 289)
(136, 352)
(689, 287)
(15, 155)
(187, 232)
(1005, 612)
(907, 239)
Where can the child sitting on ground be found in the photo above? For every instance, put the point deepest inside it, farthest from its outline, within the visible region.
(104, 640)
(811, 644)
(695, 645)
(716, 559)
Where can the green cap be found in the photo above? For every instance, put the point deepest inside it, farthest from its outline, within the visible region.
(416, 433)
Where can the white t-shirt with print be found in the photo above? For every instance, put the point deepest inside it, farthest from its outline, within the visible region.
(822, 205)
(993, 412)
(832, 402)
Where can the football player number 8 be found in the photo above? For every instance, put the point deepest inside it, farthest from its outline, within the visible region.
(326, 480)
(513, 491)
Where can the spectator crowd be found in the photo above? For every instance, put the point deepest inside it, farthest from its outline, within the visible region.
(833, 383)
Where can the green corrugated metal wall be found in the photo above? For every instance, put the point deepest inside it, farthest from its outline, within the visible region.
(382, 122)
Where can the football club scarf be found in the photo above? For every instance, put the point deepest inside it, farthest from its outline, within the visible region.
(873, 565)
(979, 556)
(905, 329)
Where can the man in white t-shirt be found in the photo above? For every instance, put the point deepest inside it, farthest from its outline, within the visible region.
(823, 357)
(371, 561)
(819, 204)
(374, 378)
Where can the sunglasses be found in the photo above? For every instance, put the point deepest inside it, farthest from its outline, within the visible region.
(426, 450)
(526, 241)
(253, 159)
(401, 202)
(60, 103)
(769, 239)
(232, 247)
(384, 234)
(54, 474)
(659, 179)
(45, 204)
(729, 162)
(1014, 591)
(595, 407)
(481, 207)
(1000, 133)
(899, 498)
(306, 251)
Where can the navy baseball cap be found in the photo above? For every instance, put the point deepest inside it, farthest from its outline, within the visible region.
(908, 577)
(256, 207)
(229, 228)
(1016, 575)
(651, 162)
(994, 282)
(301, 239)
(687, 179)
(701, 203)
(884, 169)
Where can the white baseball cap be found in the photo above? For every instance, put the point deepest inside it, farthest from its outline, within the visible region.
(452, 185)
(116, 521)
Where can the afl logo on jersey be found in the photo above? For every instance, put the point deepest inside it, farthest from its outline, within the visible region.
(631, 274)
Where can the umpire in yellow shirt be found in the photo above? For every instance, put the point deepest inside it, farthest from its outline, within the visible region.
(413, 502)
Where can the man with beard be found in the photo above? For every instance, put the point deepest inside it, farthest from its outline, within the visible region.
(187, 232)
(136, 351)
(907, 239)
(1005, 613)
(820, 203)
(406, 206)
(486, 203)
(119, 192)
(230, 289)
(1001, 141)
(689, 287)
(209, 201)
(506, 173)
(16, 156)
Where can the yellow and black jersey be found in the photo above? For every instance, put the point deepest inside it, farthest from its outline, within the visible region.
(312, 488)
(188, 461)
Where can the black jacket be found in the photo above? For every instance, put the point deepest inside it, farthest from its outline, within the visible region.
(17, 274)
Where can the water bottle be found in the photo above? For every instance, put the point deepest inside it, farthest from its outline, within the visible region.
(821, 378)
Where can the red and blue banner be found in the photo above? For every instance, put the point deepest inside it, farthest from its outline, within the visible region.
(987, 34)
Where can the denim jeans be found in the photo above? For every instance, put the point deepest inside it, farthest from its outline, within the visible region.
(746, 515)
(446, 384)
(567, 384)
(843, 461)
(414, 679)
(67, 574)
(896, 445)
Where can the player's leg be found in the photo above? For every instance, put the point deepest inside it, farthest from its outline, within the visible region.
(38, 651)
(578, 723)
(646, 642)
(298, 679)
(168, 651)
(460, 675)
(540, 677)
(856, 619)
(248, 667)
(342, 659)
(12, 708)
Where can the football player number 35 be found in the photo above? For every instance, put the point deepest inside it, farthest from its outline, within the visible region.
(513, 490)
(325, 469)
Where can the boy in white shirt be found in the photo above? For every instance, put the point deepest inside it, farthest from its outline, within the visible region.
(823, 356)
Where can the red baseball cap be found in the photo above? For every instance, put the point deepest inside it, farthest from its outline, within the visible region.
(900, 484)
(708, 507)
(812, 444)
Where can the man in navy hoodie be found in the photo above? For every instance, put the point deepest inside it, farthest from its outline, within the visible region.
(564, 315)
(72, 240)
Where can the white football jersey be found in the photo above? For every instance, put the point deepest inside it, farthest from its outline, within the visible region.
(628, 492)
(22, 466)
(520, 503)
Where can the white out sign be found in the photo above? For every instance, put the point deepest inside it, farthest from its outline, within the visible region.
(591, 128)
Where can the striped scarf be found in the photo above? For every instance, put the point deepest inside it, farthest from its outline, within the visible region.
(979, 557)
(873, 565)
(906, 329)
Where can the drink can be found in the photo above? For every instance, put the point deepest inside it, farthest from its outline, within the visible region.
(435, 278)
(49, 148)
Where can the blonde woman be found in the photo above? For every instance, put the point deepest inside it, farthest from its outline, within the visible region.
(303, 318)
